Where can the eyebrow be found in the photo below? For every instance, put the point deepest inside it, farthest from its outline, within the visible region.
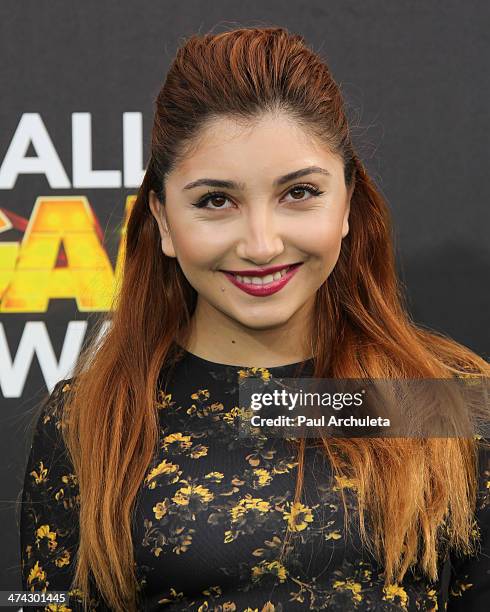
(290, 176)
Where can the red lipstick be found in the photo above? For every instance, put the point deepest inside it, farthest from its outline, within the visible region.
(263, 289)
(261, 271)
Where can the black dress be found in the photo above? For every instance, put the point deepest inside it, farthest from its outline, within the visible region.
(211, 515)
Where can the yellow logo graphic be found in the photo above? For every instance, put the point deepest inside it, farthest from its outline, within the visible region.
(30, 274)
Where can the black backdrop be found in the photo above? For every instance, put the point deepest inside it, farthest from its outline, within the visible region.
(416, 84)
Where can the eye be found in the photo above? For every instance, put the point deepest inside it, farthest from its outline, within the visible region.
(220, 196)
(314, 191)
(211, 195)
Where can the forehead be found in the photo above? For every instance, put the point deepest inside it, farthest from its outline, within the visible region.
(274, 143)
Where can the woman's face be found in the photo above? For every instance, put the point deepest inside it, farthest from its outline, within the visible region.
(265, 219)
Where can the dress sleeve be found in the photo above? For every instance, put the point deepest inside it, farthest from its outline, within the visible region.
(49, 531)
(469, 587)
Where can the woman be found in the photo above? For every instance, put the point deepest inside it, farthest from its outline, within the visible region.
(138, 490)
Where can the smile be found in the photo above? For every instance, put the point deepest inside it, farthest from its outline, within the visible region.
(263, 285)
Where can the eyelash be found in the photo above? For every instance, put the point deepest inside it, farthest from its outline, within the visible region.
(201, 203)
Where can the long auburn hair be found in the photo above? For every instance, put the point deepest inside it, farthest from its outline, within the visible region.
(406, 488)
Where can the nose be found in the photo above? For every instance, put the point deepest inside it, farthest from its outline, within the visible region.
(260, 240)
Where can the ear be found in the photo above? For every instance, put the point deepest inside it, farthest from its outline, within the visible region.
(345, 221)
(158, 210)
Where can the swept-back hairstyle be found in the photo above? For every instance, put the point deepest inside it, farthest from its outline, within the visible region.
(406, 488)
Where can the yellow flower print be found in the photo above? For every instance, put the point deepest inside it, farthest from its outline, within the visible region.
(184, 543)
(263, 373)
(298, 516)
(392, 591)
(349, 585)
(215, 476)
(36, 573)
(174, 595)
(460, 587)
(44, 532)
(64, 559)
(183, 495)
(183, 441)
(201, 394)
(263, 477)
(268, 607)
(284, 467)
(205, 409)
(228, 536)
(333, 535)
(235, 413)
(70, 479)
(248, 503)
(432, 594)
(165, 467)
(213, 590)
(164, 400)
(40, 476)
(269, 567)
(160, 509)
(199, 451)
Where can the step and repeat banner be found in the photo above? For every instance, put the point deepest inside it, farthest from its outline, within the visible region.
(78, 84)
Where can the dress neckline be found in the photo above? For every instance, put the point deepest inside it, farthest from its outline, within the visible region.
(192, 358)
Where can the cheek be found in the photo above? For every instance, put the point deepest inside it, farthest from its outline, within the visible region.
(320, 237)
(199, 247)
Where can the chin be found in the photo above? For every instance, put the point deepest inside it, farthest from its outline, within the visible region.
(263, 321)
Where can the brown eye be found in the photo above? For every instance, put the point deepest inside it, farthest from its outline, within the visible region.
(212, 197)
(301, 190)
(216, 200)
(297, 190)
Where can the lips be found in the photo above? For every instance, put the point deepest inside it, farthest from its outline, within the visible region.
(260, 288)
(262, 271)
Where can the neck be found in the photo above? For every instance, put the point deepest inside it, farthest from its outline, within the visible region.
(219, 338)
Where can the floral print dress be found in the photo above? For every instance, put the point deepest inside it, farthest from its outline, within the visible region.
(211, 514)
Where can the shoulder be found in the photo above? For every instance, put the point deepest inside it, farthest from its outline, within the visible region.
(470, 573)
(49, 471)
(55, 399)
(48, 418)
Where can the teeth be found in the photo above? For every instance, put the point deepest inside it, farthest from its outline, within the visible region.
(262, 280)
